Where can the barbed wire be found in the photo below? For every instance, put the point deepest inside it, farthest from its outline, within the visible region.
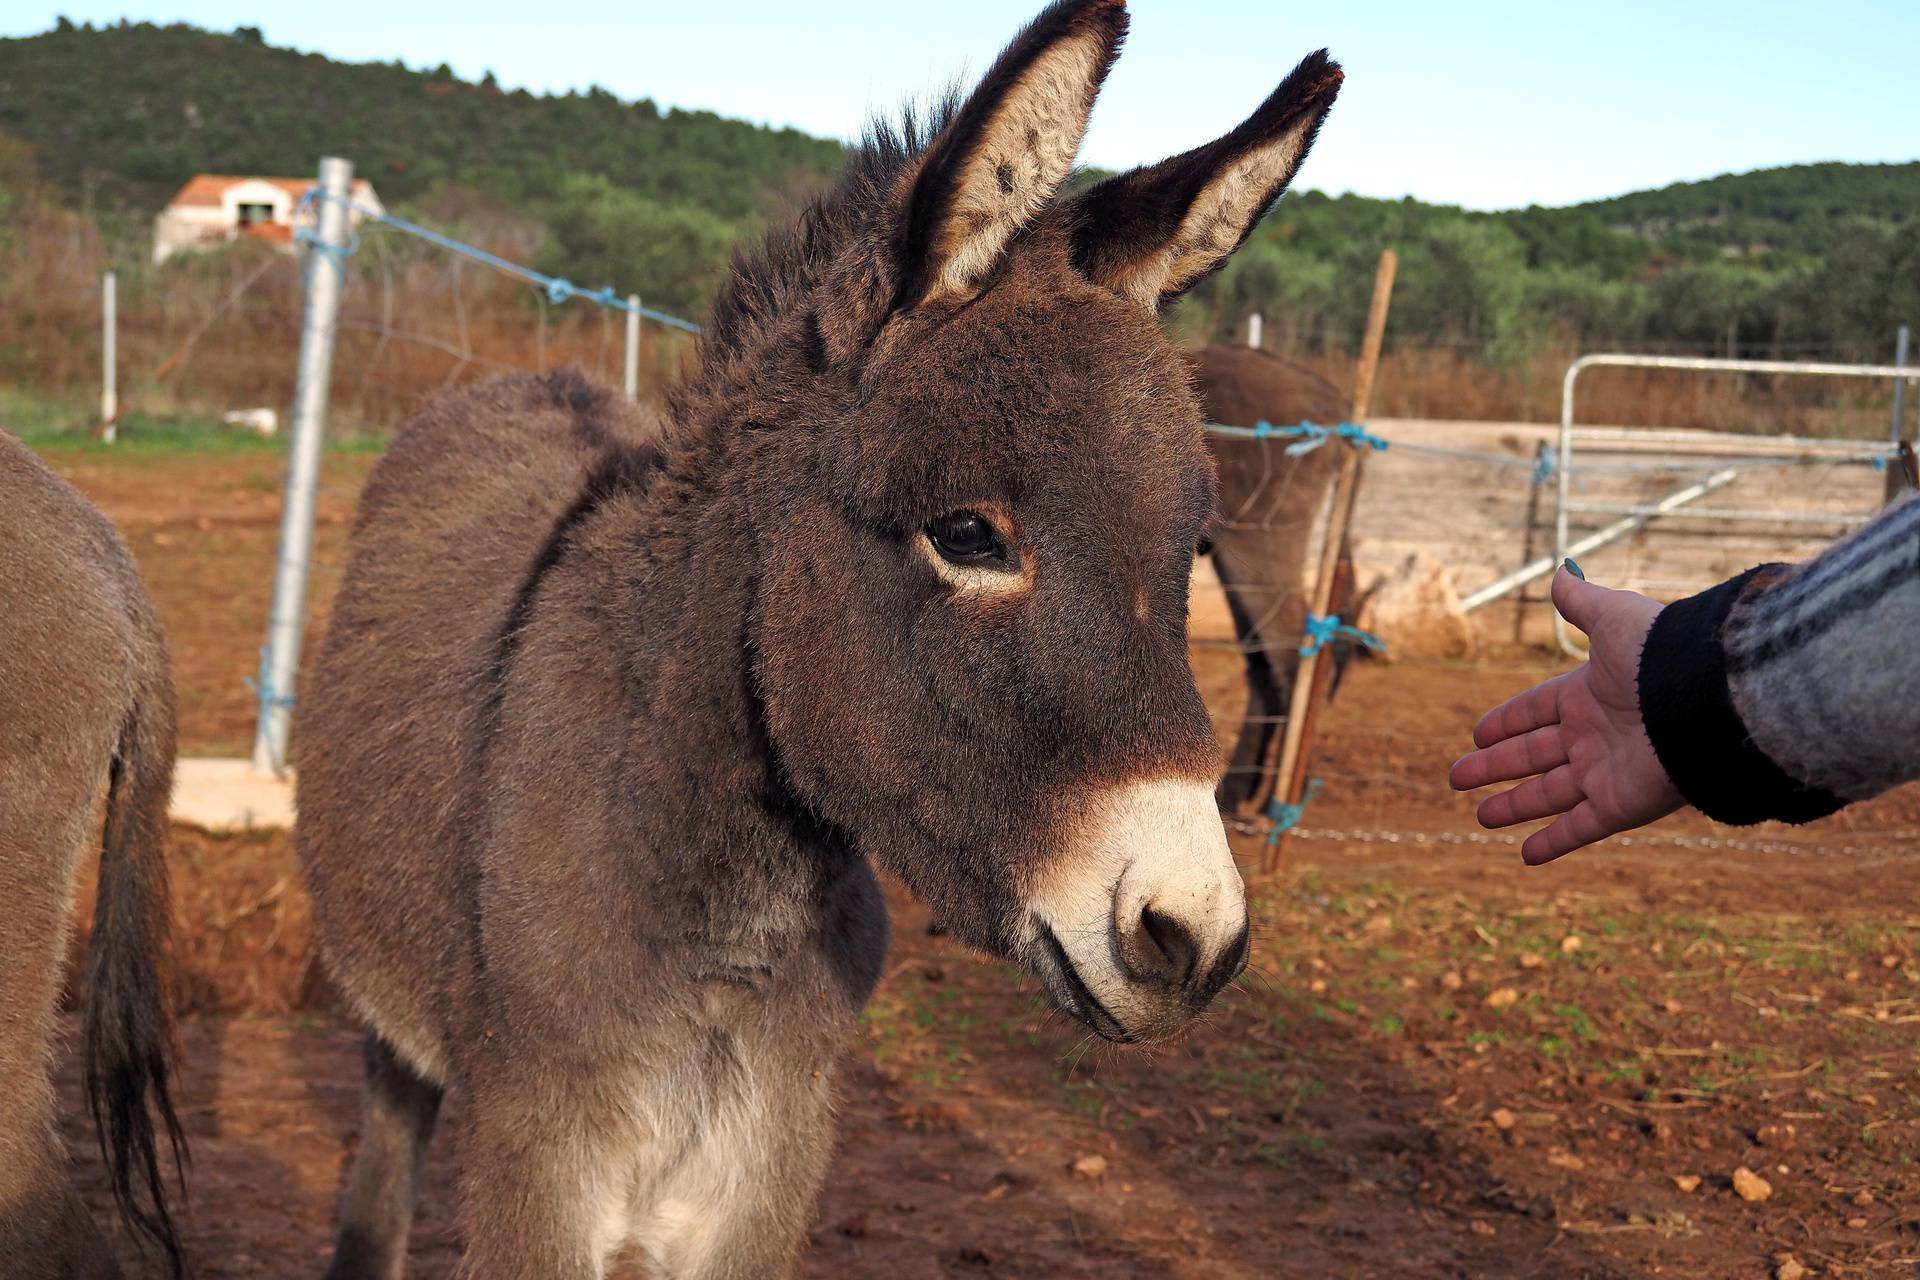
(1904, 844)
(558, 289)
(1600, 484)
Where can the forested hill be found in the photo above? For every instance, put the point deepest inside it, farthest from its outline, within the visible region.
(1797, 207)
(110, 121)
(122, 115)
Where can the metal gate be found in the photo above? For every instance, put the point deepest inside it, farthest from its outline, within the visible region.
(1719, 459)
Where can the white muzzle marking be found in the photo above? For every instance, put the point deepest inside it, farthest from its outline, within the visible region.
(1154, 846)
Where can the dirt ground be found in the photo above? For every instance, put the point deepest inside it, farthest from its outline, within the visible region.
(1689, 1055)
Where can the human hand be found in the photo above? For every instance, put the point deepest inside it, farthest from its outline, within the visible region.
(1578, 740)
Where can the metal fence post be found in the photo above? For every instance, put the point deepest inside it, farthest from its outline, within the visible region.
(1254, 325)
(109, 362)
(325, 274)
(633, 346)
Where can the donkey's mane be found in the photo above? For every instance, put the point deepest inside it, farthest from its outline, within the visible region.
(771, 276)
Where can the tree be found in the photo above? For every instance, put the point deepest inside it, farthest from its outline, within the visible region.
(600, 234)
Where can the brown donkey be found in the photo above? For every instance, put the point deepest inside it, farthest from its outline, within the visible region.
(614, 715)
(1271, 505)
(85, 703)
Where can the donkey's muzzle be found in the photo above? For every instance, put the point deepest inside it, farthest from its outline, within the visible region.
(1143, 918)
(1161, 948)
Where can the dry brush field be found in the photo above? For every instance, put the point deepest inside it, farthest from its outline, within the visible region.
(1669, 1058)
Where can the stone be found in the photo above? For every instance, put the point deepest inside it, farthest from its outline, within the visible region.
(1092, 1168)
(1750, 1186)
(1415, 610)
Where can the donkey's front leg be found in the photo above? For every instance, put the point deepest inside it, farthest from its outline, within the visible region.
(738, 1206)
(545, 1193)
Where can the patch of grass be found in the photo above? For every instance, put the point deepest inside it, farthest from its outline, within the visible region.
(1578, 1022)
(47, 426)
(1283, 1152)
(1248, 1082)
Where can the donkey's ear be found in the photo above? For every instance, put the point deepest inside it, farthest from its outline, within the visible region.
(1005, 152)
(1154, 233)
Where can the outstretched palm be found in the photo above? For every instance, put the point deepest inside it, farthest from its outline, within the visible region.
(1578, 740)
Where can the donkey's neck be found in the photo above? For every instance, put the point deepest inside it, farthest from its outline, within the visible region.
(680, 570)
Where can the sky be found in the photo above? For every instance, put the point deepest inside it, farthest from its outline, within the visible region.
(1484, 103)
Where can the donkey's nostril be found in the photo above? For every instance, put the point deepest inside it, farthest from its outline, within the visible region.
(1231, 964)
(1173, 952)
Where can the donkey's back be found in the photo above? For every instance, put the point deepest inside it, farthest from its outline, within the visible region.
(85, 705)
(1271, 504)
(453, 530)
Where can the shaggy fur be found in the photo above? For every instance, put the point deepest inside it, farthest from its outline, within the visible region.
(86, 706)
(615, 714)
(1270, 505)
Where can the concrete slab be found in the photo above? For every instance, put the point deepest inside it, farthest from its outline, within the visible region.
(227, 795)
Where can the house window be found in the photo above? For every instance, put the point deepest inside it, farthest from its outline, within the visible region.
(250, 214)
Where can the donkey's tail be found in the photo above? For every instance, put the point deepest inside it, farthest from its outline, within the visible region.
(129, 1025)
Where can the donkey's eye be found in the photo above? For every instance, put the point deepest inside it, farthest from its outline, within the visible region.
(965, 537)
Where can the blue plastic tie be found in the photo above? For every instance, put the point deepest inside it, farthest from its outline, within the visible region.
(1315, 436)
(1324, 631)
(1546, 464)
(1309, 436)
(1359, 437)
(1283, 817)
(263, 689)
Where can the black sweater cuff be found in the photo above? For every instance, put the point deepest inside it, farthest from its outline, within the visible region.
(1699, 737)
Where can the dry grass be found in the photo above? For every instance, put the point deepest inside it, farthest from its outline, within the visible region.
(208, 333)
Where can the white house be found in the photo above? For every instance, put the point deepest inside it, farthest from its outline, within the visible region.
(213, 210)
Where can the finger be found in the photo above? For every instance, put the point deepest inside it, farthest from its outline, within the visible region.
(1541, 797)
(1584, 604)
(1575, 829)
(1522, 713)
(1511, 758)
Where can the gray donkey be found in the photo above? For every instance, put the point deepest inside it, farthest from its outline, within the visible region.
(85, 703)
(614, 716)
(1271, 503)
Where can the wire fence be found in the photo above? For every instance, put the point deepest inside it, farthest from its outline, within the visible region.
(1479, 504)
(424, 308)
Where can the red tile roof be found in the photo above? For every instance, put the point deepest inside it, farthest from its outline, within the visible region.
(206, 189)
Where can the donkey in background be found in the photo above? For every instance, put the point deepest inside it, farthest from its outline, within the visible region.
(614, 715)
(85, 702)
(1270, 506)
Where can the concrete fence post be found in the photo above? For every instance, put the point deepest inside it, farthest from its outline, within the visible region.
(1254, 326)
(109, 357)
(1900, 345)
(325, 274)
(1896, 480)
(633, 346)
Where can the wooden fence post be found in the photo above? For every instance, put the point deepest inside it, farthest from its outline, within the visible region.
(1313, 678)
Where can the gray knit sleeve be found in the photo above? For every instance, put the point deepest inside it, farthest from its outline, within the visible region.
(1823, 660)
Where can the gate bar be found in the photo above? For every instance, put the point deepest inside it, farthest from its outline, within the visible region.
(1564, 486)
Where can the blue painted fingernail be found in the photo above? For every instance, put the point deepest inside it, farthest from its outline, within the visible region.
(1573, 568)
